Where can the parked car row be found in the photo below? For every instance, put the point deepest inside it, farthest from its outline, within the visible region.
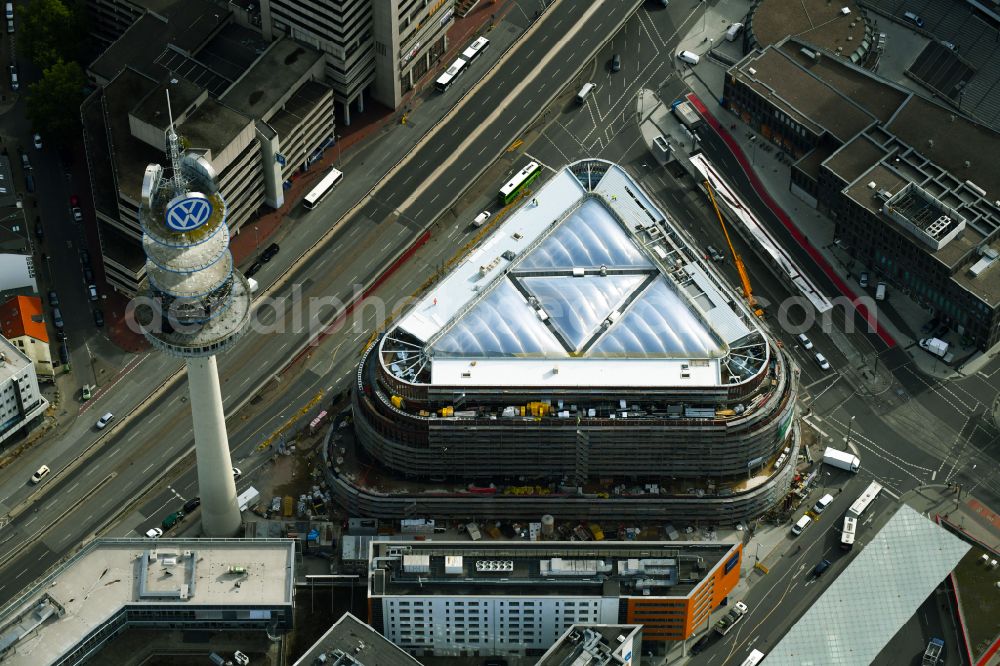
(267, 255)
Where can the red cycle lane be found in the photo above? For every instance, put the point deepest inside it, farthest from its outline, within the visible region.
(803, 242)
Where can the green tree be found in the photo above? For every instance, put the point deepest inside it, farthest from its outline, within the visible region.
(54, 101)
(48, 31)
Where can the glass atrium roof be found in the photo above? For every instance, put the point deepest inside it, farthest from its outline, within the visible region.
(588, 272)
(502, 324)
(576, 306)
(589, 238)
(658, 323)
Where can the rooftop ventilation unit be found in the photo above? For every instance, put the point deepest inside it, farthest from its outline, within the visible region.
(989, 258)
(845, 10)
(494, 566)
(937, 226)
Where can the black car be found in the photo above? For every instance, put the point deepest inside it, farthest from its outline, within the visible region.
(85, 257)
(254, 267)
(192, 504)
(39, 231)
(53, 299)
(88, 275)
(269, 252)
(616, 62)
(98, 318)
(701, 644)
(821, 567)
(63, 352)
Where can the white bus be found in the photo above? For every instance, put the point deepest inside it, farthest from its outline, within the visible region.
(523, 177)
(445, 80)
(865, 500)
(475, 49)
(322, 189)
(755, 658)
(847, 535)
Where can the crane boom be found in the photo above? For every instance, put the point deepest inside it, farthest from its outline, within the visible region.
(740, 268)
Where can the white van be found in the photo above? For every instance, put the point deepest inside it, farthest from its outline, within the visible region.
(880, 291)
(916, 19)
(689, 57)
(734, 32)
(481, 219)
(823, 502)
(10, 10)
(587, 88)
(801, 525)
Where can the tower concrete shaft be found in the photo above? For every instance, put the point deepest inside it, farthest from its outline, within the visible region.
(197, 304)
(220, 515)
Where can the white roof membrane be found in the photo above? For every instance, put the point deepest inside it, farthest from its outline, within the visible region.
(658, 323)
(576, 306)
(589, 238)
(502, 324)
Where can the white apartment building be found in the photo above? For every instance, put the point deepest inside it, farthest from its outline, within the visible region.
(381, 45)
(20, 400)
(517, 598)
(340, 29)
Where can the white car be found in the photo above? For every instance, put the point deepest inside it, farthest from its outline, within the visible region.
(77, 214)
(805, 341)
(821, 360)
(154, 533)
(237, 474)
(38, 141)
(240, 658)
(104, 420)
(481, 218)
(42, 472)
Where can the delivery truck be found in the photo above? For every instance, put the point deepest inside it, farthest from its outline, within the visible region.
(935, 346)
(841, 459)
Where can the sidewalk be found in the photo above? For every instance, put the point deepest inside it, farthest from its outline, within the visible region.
(899, 320)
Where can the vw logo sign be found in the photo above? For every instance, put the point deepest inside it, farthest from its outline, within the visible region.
(188, 211)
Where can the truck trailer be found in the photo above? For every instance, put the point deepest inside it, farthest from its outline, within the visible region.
(731, 619)
(841, 459)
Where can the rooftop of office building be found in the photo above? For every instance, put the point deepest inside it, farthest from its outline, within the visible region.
(171, 28)
(255, 93)
(594, 645)
(539, 569)
(351, 642)
(925, 160)
(585, 283)
(819, 21)
(51, 617)
(12, 360)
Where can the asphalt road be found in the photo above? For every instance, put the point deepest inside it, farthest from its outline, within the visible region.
(71, 506)
(77, 504)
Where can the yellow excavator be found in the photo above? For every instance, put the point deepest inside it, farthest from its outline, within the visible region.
(740, 268)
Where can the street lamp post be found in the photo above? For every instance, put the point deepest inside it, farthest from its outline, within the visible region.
(337, 139)
(850, 429)
(256, 239)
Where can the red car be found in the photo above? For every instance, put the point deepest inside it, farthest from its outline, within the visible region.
(74, 200)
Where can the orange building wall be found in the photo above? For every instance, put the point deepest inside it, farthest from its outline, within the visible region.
(676, 618)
